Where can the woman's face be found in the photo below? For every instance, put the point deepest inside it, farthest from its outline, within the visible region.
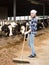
(32, 15)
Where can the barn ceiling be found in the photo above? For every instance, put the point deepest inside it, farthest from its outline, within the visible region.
(2, 2)
(5, 2)
(23, 5)
(27, 5)
(39, 1)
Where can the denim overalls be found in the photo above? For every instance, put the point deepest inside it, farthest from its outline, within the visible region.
(33, 27)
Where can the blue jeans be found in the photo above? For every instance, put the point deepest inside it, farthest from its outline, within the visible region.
(31, 42)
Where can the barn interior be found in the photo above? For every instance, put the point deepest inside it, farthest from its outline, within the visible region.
(9, 8)
(10, 46)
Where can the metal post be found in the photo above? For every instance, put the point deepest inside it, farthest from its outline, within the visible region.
(43, 11)
(14, 9)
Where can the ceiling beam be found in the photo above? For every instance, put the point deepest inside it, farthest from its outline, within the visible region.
(33, 2)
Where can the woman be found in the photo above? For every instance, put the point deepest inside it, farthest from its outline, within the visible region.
(32, 32)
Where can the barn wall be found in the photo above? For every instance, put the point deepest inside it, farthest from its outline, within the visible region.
(3, 12)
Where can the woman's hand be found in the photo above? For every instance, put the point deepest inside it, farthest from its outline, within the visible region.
(25, 33)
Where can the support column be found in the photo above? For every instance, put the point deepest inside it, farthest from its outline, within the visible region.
(43, 11)
(43, 5)
(14, 9)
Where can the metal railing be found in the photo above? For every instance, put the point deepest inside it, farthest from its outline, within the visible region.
(26, 18)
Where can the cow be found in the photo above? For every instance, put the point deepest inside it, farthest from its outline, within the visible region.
(13, 29)
(18, 28)
(5, 30)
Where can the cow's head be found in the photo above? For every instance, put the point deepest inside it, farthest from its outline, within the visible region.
(22, 30)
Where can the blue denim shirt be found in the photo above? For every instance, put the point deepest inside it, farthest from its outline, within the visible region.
(33, 25)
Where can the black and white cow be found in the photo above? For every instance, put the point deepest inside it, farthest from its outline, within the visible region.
(13, 29)
(42, 24)
(17, 28)
(7, 30)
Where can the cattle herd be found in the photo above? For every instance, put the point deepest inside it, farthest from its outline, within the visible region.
(9, 28)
